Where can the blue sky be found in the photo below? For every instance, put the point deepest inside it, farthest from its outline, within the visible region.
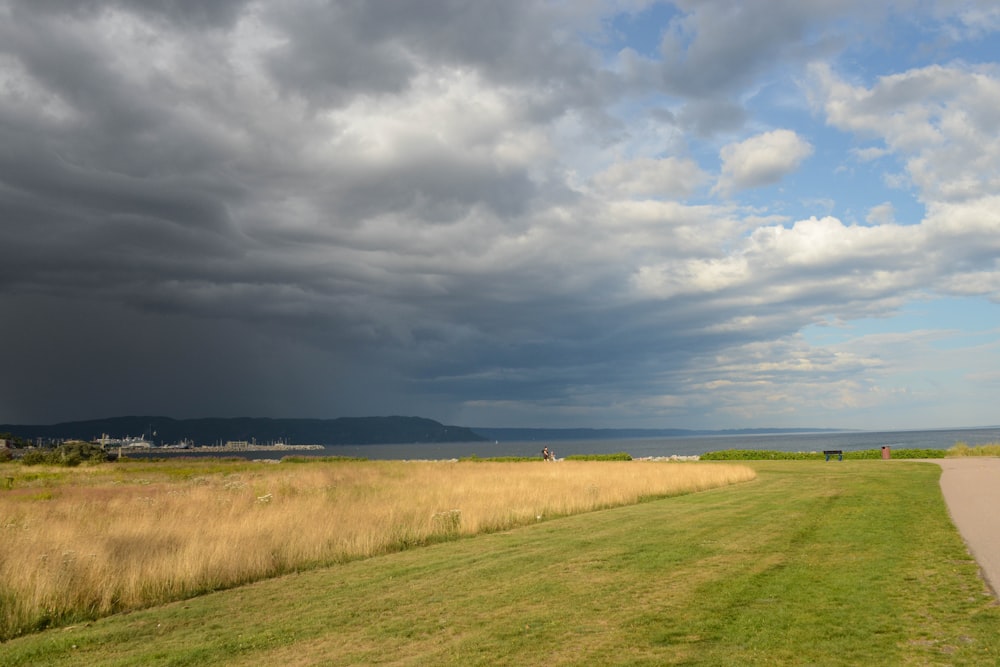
(691, 214)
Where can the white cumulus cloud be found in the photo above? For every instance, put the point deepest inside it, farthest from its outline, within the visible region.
(648, 177)
(761, 160)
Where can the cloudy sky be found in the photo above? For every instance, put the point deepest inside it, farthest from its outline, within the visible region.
(693, 214)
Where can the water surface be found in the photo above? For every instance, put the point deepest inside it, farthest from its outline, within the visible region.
(641, 447)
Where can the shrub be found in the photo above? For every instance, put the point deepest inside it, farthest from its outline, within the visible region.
(320, 459)
(35, 457)
(620, 456)
(758, 455)
(499, 459)
(861, 454)
(67, 454)
(914, 453)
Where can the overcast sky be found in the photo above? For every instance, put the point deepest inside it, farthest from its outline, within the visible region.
(693, 214)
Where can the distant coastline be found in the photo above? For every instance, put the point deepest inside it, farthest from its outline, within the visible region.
(656, 448)
(544, 434)
(228, 447)
(217, 434)
(240, 432)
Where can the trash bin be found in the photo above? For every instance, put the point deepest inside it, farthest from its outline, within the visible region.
(886, 452)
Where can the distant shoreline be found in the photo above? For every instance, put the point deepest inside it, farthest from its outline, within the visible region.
(209, 449)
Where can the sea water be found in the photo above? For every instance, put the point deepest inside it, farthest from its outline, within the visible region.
(639, 447)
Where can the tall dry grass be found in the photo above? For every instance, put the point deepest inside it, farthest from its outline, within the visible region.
(80, 544)
(963, 449)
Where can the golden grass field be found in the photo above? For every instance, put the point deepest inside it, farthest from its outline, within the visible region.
(85, 542)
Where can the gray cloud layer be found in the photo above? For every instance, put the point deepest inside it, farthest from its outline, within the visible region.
(316, 208)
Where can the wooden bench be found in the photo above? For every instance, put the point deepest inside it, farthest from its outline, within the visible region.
(839, 453)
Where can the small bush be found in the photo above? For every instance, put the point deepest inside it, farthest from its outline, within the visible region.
(914, 453)
(68, 454)
(861, 454)
(620, 456)
(321, 459)
(499, 459)
(35, 458)
(758, 455)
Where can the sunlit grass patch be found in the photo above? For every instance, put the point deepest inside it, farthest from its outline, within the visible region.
(84, 542)
(812, 564)
(852, 455)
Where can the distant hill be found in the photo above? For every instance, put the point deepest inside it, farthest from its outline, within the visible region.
(542, 434)
(208, 431)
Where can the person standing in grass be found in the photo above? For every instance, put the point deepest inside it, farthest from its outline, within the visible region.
(546, 456)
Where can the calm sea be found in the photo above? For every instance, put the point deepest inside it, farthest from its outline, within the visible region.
(642, 447)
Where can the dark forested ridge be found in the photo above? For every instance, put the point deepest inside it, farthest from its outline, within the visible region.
(208, 431)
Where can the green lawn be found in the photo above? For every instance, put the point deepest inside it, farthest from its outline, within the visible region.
(814, 563)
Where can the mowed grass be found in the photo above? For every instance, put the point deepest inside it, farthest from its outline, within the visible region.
(812, 564)
(82, 543)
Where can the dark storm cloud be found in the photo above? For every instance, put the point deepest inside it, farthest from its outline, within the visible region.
(707, 117)
(190, 13)
(82, 358)
(314, 208)
(335, 50)
(438, 189)
(722, 44)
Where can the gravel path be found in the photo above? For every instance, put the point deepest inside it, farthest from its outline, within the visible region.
(971, 488)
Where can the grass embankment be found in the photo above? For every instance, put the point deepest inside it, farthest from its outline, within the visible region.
(849, 564)
(618, 456)
(80, 543)
(959, 449)
(856, 455)
(963, 449)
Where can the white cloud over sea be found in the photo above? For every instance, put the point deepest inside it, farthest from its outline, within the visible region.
(702, 214)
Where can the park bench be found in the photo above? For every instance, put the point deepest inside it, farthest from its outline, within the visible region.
(839, 453)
